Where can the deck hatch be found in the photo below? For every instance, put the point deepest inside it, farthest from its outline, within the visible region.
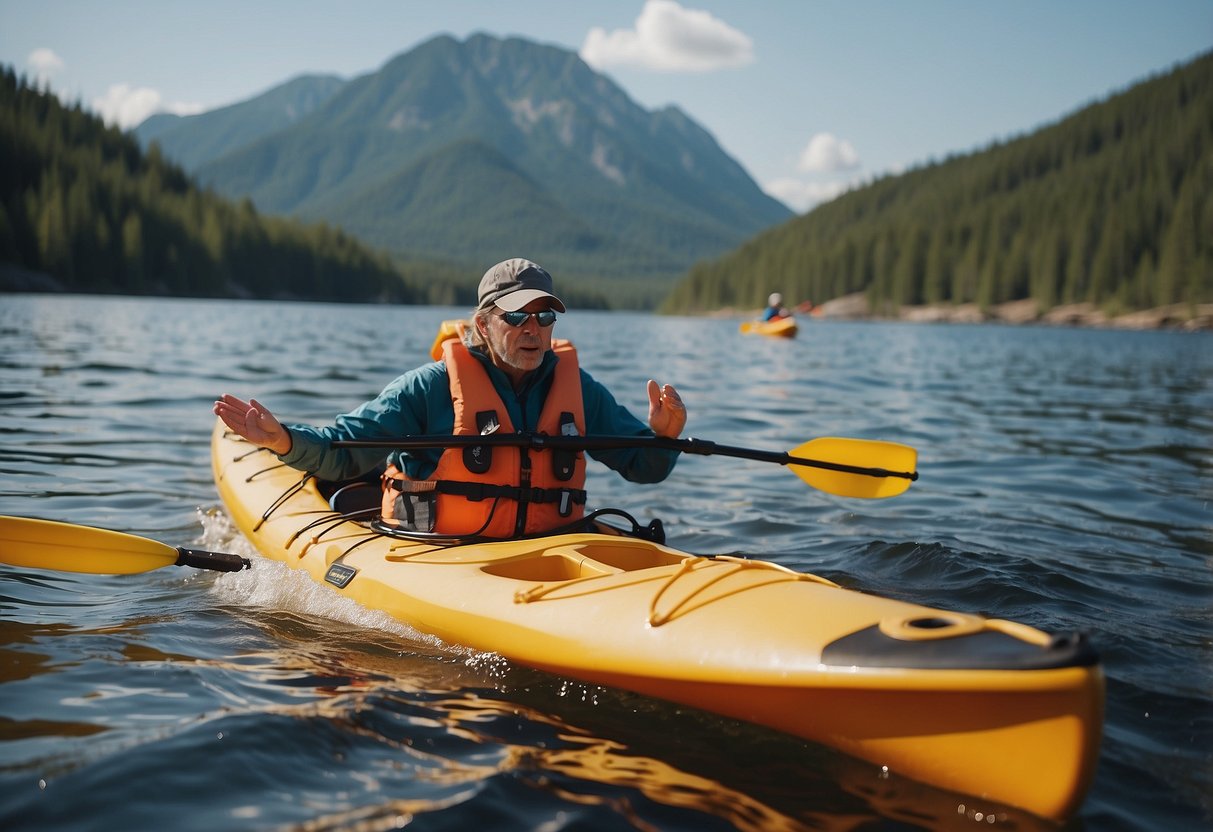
(983, 650)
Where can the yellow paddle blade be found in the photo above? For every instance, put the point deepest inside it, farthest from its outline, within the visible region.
(859, 453)
(46, 544)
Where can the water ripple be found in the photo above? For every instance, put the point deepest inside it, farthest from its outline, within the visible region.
(1065, 482)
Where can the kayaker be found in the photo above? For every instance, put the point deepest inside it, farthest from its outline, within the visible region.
(506, 374)
(774, 308)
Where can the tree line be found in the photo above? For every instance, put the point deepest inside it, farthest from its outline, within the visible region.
(82, 203)
(1112, 205)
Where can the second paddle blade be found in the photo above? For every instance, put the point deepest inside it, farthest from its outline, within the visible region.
(46, 544)
(861, 453)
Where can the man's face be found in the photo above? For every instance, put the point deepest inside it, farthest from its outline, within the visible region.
(518, 350)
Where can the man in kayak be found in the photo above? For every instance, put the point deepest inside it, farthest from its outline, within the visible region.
(505, 374)
(774, 308)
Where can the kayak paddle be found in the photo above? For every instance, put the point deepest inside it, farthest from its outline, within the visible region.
(48, 544)
(865, 468)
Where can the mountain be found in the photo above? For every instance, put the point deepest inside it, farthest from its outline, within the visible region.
(194, 140)
(473, 151)
(1110, 206)
(421, 203)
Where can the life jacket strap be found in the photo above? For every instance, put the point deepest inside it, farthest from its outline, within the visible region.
(477, 491)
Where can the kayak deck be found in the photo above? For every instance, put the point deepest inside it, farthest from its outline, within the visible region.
(988, 708)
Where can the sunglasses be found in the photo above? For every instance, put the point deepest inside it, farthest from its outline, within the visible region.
(545, 318)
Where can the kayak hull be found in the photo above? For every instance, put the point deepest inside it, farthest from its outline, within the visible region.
(777, 328)
(987, 708)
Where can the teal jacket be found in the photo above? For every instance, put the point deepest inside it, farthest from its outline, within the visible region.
(419, 403)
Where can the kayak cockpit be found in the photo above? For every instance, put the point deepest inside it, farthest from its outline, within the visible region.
(360, 500)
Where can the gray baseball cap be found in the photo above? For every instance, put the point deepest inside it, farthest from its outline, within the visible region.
(512, 284)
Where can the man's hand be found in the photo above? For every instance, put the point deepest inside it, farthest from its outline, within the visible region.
(667, 413)
(254, 422)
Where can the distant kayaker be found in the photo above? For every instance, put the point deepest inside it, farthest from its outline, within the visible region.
(505, 374)
(775, 308)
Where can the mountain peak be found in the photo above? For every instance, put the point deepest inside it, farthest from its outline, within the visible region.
(654, 184)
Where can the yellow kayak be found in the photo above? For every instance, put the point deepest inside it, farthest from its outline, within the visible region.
(988, 708)
(778, 327)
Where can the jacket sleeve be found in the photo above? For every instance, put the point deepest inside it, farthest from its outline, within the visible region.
(404, 408)
(604, 416)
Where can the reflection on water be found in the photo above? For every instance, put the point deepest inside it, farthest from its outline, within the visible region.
(365, 728)
(1065, 483)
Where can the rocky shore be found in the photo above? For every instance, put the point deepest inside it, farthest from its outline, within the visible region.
(1178, 316)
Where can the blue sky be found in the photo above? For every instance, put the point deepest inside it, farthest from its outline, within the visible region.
(810, 97)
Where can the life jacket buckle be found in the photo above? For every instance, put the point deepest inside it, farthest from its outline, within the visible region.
(564, 462)
(479, 458)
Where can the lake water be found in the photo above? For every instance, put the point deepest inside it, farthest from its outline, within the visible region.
(1065, 483)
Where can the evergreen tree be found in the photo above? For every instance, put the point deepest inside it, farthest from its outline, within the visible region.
(81, 202)
(1112, 205)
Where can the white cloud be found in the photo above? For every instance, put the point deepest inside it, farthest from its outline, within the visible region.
(801, 196)
(128, 106)
(827, 154)
(671, 38)
(824, 154)
(45, 64)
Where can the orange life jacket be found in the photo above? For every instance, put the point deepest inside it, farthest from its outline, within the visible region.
(496, 490)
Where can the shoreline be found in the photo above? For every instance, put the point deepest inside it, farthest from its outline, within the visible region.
(1179, 316)
(853, 307)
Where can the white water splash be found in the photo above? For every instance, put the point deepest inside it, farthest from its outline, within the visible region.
(273, 585)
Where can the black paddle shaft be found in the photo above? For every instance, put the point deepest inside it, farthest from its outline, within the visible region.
(215, 561)
(540, 441)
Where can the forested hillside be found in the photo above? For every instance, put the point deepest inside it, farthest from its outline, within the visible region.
(1112, 205)
(82, 204)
